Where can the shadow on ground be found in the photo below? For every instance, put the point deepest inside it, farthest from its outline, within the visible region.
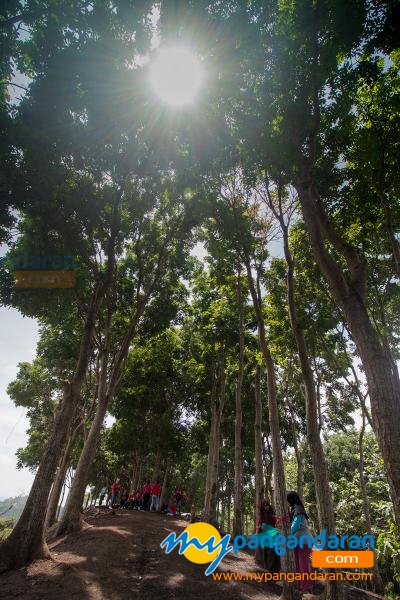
(119, 558)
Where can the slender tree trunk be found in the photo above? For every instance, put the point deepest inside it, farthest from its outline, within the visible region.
(193, 488)
(377, 579)
(299, 453)
(217, 437)
(228, 517)
(223, 506)
(62, 497)
(164, 484)
(156, 472)
(138, 471)
(287, 560)
(389, 227)
(60, 479)
(135, 472)
(238, 483)
(268, 466)
(211, 439)
(298, 450)
(300, 471)
(350, 294)
(258, 453)
(139, 476)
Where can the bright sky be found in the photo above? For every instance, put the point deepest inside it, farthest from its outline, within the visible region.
(17, 344)
(176, 75)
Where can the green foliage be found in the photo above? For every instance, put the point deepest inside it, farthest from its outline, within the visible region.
(296, 92)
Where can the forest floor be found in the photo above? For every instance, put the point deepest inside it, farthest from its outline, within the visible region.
(118, 557)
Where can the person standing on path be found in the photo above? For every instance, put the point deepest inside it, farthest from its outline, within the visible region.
(146, 495)
(155, 496)
(114, 492)
(299, 527)
(178, 495)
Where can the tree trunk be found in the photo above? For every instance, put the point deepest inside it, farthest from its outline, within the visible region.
(321, 477)
(349, 291)
(211, 439)
(62, 497)
(59, 480)
(287, 560)
(156, 472)
(228, 517)
(238, 483)
(298, 450)
(223, 505)
(193, 488)
(258, 453)
(217, 436)
(135, 472)
(26, 541)
(377, 579)
(164, 485)
(300, 470)
(268, 467)
(389, 226)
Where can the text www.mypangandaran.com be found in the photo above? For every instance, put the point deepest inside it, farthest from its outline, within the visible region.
(262, 577)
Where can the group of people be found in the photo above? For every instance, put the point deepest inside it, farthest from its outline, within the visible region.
(148, 498)
(298, 527)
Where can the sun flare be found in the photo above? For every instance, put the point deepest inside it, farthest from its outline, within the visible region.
(176, 76)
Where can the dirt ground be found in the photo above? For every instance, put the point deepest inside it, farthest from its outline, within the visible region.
(119, 557)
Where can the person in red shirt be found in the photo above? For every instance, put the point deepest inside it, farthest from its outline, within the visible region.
(178, 499)
(130, 501)
(155, 496)
(114, 492)
(146, 493)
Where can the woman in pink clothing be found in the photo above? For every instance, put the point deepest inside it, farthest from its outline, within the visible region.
(299, 527)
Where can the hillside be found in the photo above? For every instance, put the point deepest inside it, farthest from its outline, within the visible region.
(12, 507)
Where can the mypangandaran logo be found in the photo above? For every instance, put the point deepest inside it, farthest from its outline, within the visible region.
(52, 271)
(35, 262)
(201, 543)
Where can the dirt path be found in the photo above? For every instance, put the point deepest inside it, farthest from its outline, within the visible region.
(119, 558)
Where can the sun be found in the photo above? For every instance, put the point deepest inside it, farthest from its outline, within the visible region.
(176, 75)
